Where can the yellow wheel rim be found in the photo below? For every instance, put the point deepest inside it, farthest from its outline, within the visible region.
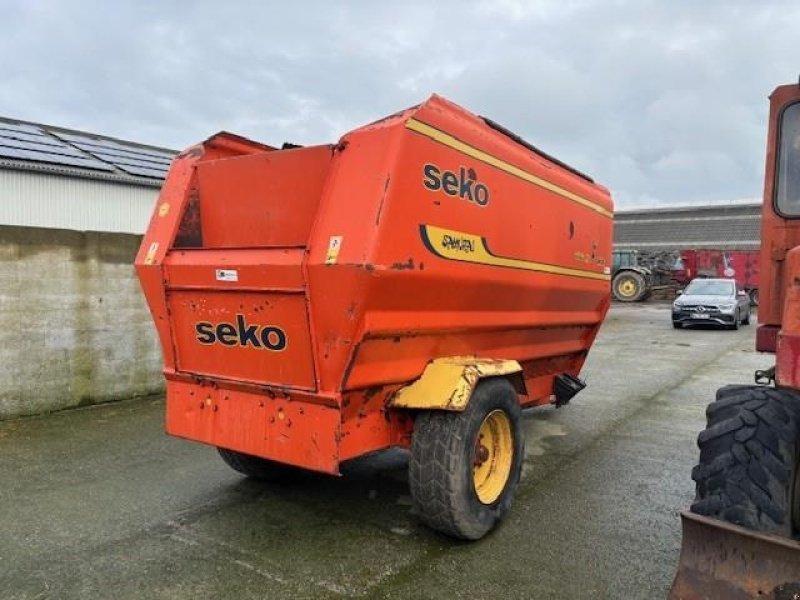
(626, 287)
(494, 453)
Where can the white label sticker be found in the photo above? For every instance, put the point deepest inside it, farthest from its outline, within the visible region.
(227, 275)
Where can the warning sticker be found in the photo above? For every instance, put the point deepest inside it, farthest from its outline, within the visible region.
(150, 257)
(334, 245)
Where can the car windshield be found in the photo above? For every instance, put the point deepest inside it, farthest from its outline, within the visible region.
(709, 288)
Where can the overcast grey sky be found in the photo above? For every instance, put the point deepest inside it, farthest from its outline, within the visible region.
(663, 102)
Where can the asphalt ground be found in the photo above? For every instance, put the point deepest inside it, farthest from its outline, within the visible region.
(100, 503)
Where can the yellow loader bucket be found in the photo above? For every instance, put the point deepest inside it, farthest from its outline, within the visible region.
(720, 561)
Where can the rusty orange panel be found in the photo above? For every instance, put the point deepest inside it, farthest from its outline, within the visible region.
(427, 234)
(253, 337)
(778, 234)
(401, 357)
(266, 269)
(278, 427)
(265, 199)
(461, 234)
(369, 425)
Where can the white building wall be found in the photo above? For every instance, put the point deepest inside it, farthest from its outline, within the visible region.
(74, 326)
(33, 199)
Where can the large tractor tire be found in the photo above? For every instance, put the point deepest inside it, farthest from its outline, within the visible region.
(749, 453)
(754, 296)
(254, 466)
(629, 286)
(465, 466)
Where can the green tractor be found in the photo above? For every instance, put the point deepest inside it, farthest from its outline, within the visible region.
(630, 282)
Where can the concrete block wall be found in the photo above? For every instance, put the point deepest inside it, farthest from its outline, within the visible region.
(74, 327)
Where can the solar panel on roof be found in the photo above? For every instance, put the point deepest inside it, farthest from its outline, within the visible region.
(56, 159)
(122, 154)
(132, 160)
(50, 148)
(30, 137)
(73, 137)
(158, 174)
(21, 127)
(24, 142)
(123, 161)
(80, 140)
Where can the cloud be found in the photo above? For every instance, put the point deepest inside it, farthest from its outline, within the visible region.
(662, 102)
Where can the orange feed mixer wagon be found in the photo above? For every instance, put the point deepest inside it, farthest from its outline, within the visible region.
(413, 286)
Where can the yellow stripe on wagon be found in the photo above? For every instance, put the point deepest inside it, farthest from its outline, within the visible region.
(471, 248)
(446, 139)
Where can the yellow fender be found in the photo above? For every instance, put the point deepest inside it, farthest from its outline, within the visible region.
(447, 383)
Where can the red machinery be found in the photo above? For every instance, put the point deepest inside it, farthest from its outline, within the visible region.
(742, 536)
(413, 285)
(740, 265)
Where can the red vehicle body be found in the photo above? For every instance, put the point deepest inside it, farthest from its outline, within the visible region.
(310, 302)
(740, 265)
(741, 538)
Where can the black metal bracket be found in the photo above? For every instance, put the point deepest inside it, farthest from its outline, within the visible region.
(766, 377)
(566, 386)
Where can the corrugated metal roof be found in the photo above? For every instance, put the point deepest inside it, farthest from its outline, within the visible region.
(44, 148)
(726, 226)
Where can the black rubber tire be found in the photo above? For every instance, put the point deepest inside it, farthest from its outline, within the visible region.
(640, 286)
(442, 457)
(254, 466)
(676, 325)
(749, 452)
(736, 321)
(746, 320)
(754, 297)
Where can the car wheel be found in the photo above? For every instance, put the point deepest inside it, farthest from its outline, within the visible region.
(736, 318)
(676, 325)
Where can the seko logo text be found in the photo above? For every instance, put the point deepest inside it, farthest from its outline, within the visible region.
(462, 185)
(268, 337)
